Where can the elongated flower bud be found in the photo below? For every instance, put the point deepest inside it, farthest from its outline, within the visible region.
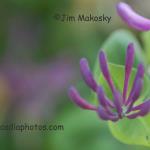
(128, 68)
(133, 19)
(105, 116)
(87, 75)
(75, 97)
(142, 110)
(105, 70)
(139, 76)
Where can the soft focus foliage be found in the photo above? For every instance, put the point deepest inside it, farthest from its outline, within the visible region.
(146, 44)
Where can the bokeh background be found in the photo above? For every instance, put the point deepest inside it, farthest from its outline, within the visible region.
(39, 60)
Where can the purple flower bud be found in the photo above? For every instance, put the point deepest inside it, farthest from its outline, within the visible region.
(118, 102)
(87, 75)
(101, 96)
(133, 19)
(143, 109)
(140, 71)
(106, 116)
(139, 75)
(104, 101)
(133, 116)
(135, 93)
(128, 68)
(145, 104)
(105, 70)
(75, 97)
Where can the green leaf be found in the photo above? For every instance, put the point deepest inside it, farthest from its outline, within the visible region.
(146, 43)
(135, 132)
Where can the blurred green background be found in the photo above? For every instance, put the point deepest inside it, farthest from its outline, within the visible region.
(39, 58)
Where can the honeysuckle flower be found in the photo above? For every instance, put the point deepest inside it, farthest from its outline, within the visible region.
(132, 18)
(121, 105)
